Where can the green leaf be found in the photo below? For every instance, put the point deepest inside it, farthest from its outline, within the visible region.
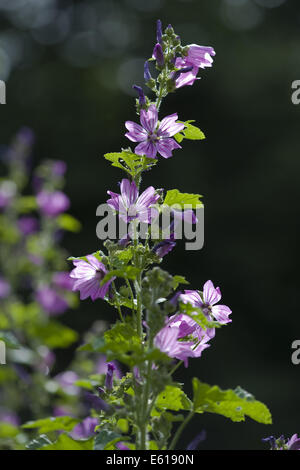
(190, 132)
(177, 280)
(122, 342)
(130, 162)
(54, 334)
(60, 423)
(105, 439)
(9, 339)
(26, 204)
(127, 272)
(65, 442)
(7, 430)
(233, 404)
(38, 443)
(68, 222)
(175, 197)
(173, 398)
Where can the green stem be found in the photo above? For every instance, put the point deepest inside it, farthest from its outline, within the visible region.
(117, 302)
(176, 367)
(180, 429)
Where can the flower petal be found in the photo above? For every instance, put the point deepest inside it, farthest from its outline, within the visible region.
(221, 313)
(211, 295)
(149, 118)
(169, 127)
(136, 132)
(166, 146)
(147, 148)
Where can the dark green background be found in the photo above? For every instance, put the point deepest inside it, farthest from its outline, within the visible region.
(75, 94)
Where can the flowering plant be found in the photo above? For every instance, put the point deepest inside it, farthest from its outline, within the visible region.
(158, 329)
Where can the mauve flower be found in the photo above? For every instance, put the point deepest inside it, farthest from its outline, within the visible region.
(85, 429)
(207, 301)
(101, 367)
(282, 444)
(121, 446)
(52, 203)
(131, 205)
(294, 442)
(196, 441)
(66, 380)
(164, 247)
(88, 276)
(142, 99)
(59, 168)
(109, 376)
(154, 136)
(4, 288)
(158, 55)
(147, 74)
(28, 225)
(198, 57)
(159, 31)
(182, 338)
(51, 301)
(63, 280)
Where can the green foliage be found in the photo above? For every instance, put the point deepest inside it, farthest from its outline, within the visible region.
(233, 404)
(130, 162)
(190, 132)
(26, 204)
(7, 430)
(9, 339)
(176, 198)
(106, 439)
(38, 442)
(123, 343)
(173, 398)
(61, 423)
(53, 334)
(65, 442)
(68, 222)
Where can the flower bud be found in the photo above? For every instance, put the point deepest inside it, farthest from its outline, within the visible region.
(158, 55)
(159, 31)
(142, 99)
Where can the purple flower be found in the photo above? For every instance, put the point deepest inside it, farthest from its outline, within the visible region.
(154, 136)
(182, 338)
(207, 301)
(196, 441)
(66, 380)
(132, 206)
(147, 74)
(28, 225)
(158, 31)
(85, 429)
(282, 444)
(51, 301)
(4, 288)
(52, 203)
(121, 446)
(101, 367)
(294, 442)
(158, 55)
(88, 276)
(198, 57)
(164, 247)
(142, 99)
(59, 168)
(109, 376)
(63, 280)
